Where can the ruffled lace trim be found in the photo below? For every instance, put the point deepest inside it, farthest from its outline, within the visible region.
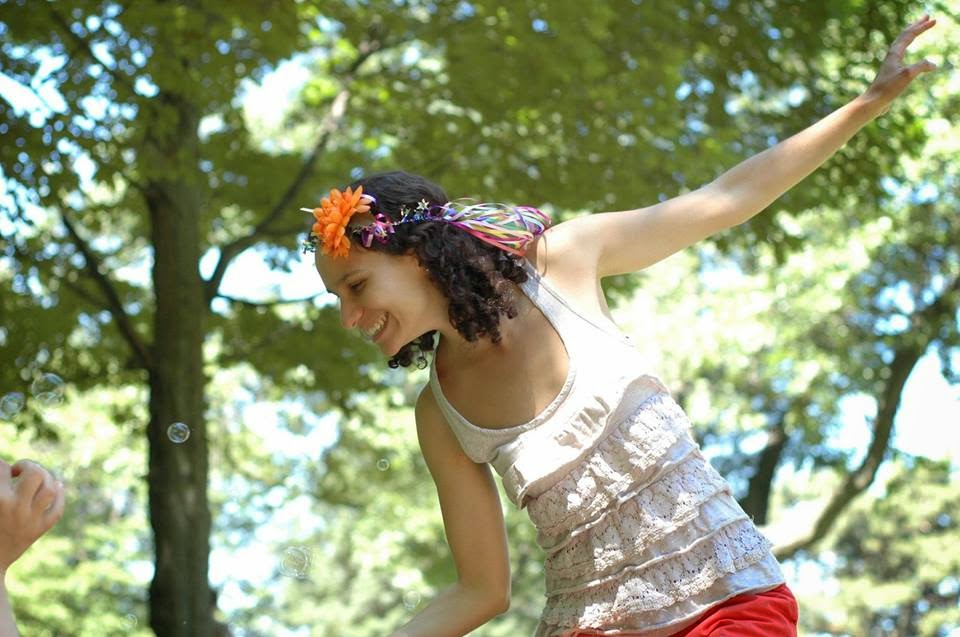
(639, 524)
(533, 463)
(760, 576)
(628, 459)
(662, 582)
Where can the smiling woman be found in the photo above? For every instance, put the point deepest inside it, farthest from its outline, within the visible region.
(583, 436)
(642, 536)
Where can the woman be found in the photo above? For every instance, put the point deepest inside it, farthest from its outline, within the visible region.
(641, 535)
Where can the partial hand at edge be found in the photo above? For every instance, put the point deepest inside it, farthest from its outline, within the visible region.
(894, 75)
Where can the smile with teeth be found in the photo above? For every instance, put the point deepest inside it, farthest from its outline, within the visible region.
(374, 331)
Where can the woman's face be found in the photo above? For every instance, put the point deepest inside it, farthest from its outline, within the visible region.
(390, 297)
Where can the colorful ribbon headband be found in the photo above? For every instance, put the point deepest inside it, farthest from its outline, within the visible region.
(510, 228)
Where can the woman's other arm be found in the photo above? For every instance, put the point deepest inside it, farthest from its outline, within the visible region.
(454, 612)
(473, 523)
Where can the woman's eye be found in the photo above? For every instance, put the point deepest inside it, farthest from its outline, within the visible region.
(356, 286)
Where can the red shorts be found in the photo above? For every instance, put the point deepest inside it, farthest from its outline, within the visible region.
(773, 613)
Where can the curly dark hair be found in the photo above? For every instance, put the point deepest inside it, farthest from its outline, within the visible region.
(471, 273)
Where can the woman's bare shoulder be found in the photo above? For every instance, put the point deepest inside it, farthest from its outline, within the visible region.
(558, 256)
(569, 269)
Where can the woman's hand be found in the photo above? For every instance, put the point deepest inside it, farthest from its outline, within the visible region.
(893, 77)
(31, 501)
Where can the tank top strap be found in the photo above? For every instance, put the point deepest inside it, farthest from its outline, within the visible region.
(560, 311)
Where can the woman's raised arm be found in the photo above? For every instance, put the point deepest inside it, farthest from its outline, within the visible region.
(627, 241)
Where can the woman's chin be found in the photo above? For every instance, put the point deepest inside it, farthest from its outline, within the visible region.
(386, 346)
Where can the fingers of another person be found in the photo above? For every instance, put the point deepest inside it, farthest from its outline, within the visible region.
(36, 489)
(53, 513)
(46, 493)
(30, 477)
(29, 507)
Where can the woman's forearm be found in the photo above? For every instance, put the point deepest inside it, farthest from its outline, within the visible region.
(8, 628)
(453, 613)
(755, 183)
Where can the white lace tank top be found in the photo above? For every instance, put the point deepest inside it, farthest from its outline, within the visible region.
(641, 534)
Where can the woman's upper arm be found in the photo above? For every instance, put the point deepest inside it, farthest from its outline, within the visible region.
(469, 503)
(610, 243)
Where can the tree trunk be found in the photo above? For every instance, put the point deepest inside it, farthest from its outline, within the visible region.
(180, 600)
(757, 501)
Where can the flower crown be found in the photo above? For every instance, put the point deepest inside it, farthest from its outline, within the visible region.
(509, 228)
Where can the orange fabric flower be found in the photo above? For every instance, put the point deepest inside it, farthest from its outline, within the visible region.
(332, 217)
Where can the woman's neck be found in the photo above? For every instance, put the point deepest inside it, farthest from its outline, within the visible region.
(459, 351)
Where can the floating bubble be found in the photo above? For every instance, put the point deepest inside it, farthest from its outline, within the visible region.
(295, 562)
(45, 383)
(383, 464)
(130, 621)
(49, 399)
(411, 599)
(48, 390)
(178, 432)
(11, 404)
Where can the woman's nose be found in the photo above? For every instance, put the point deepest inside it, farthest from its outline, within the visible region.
(349, 315)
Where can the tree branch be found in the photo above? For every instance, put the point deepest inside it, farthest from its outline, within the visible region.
(249, 303)
(32, 91)
(905, 359)
(140, 350)
(862, 477)
(328, 126)
(85, 295)
(253, 346)
(83, 44)
(757, 501)
(281, 231)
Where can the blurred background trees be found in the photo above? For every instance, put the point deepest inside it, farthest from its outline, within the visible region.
(154, 158)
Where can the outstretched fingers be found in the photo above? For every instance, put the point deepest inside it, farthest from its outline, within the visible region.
(908, 35)
(921, 67)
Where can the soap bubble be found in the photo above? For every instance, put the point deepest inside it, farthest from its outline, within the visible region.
(383, 464)
(48, 390)
(411, 599)
(178, 432)
(130, 621)
(295, 562)
(11, 404)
